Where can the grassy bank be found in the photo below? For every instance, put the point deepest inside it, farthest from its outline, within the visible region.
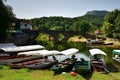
(25, 74)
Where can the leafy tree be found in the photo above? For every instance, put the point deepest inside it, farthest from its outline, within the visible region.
(87, 23)
(6, 18)
(111, 25)
(85, 26)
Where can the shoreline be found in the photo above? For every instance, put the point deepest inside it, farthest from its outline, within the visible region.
(116, 43)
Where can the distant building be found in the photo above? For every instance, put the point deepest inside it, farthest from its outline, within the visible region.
(97, 31)
(22, 25)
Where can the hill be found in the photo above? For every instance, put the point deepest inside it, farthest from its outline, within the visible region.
(97, 13)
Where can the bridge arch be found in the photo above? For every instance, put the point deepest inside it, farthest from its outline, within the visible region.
(55, 34)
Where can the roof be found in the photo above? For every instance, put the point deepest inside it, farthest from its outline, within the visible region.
(21, 48)
(116, 52)
(69, 51)
(40, 52)
(96, 51)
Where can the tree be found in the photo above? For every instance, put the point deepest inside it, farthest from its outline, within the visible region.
(111, 25)
(85, 27)
(6, 18)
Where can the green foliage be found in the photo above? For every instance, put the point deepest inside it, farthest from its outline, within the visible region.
(44, 40)
(111, 25)
(61, 37)
(87, 23)
(42, 37)
(6, 18)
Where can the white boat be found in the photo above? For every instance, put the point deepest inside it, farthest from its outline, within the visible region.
(116, 55)
(4, 45)
(97, 59)
(39, 52)
(9, 54)
(108, 43)
(66, 64)
(38, 63)
(70, 51)
(16, 49)
(94, 42)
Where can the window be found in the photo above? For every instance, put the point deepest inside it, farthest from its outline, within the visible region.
(25, 25)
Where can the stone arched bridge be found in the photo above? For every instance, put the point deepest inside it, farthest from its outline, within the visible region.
(55, 33)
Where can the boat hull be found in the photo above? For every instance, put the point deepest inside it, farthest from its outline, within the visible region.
(81, 66)
(40, 65)
(17, 59)
(116, 59)
(63, 66)
(98, 65)
(33, 64)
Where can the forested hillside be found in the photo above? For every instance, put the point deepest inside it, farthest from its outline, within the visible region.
(91, 21)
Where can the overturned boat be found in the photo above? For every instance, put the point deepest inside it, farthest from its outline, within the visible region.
(10, 54)
(42, 63)
(15, 49)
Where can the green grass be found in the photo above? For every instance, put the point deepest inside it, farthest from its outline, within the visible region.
(25, 74)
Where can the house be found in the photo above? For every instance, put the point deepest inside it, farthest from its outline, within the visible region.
(22, 25)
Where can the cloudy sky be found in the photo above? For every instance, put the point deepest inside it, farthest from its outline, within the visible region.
(66, 8)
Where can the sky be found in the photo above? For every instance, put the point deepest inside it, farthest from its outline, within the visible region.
(27, 9)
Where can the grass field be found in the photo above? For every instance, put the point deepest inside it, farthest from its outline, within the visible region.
(25, 74)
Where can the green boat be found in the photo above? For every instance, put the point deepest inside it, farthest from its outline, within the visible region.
(67, 64)
(82, 66)
(116, 55)
(63, 66)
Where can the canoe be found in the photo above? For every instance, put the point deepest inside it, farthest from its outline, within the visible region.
(33, 64)
(9, 53)
(16, 58)
(44, 62)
